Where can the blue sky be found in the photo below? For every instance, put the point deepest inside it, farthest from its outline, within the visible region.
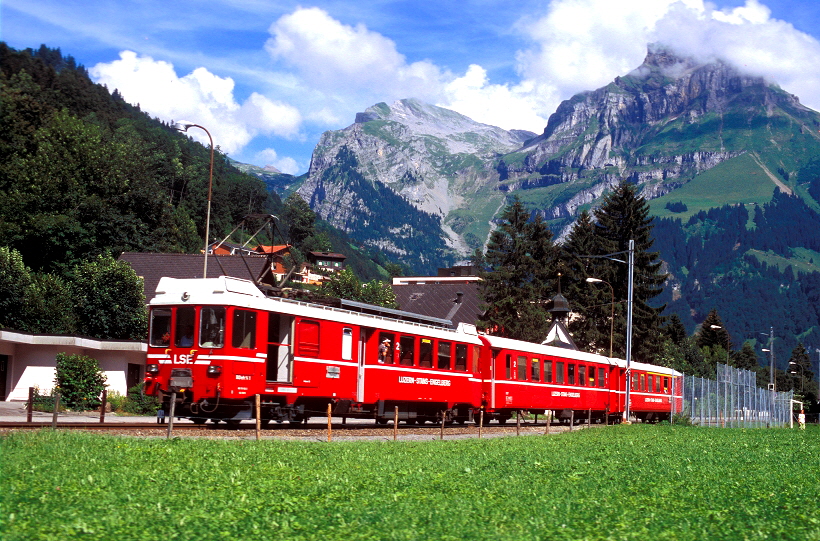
(267, 77)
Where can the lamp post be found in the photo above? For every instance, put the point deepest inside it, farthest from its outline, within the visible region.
(802, 374)
(612, 314)
(183, 125)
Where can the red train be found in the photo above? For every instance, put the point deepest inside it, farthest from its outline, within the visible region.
(217, 343)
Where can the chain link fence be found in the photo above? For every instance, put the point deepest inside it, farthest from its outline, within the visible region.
(732, 400)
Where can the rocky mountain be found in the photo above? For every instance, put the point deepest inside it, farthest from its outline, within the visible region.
(670, 121)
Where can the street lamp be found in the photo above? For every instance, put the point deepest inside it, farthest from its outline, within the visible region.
(183, 125)
(802, 374)
(612, 315)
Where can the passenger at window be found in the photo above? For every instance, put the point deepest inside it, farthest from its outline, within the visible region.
(384, 350)
(187, 338)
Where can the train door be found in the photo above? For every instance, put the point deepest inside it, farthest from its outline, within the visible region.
(364, 336)
(279, 364)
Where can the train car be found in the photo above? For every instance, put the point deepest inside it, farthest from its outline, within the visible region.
(215, 344)
(654, 390)
(527, 376)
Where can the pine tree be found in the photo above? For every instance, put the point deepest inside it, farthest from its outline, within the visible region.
(713, 332)
(521, 261)
(622, 217)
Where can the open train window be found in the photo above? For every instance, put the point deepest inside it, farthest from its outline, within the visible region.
(535, 374)
(571, 373)
(243, 334)
(522, 368)
(386, 341)
(444, 353)
(212, 327)
(665, 385)
(548, 371)
(426, 353)
(508, 366)
(582, 375)
(160, 327)
(461, 357)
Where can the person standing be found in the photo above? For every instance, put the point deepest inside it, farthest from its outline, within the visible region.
(801, 420)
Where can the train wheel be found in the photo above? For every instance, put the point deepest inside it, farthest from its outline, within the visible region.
(381, 421)
(198, 420)
(232, 423)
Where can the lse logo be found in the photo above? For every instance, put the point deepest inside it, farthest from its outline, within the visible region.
(183, 359)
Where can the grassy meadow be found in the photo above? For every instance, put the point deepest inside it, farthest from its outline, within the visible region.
(625, 482)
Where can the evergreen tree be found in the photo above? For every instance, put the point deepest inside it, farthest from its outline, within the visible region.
(713, 332)
(746, 358)
(675, 330)
(622, 217)
(520, 262)
(298, 218)
(799, 368)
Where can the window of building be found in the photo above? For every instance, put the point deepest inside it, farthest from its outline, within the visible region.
(559, 372)
(212, 327)
(444, 354)
(244, 329)
(160, 327)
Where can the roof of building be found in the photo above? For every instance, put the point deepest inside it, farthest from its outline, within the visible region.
(329, 255)
(151, 267)
(277, 249)
(441, 301)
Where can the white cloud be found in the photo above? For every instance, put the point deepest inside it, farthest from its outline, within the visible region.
(583, 44)
(201, 97)
(285, 164)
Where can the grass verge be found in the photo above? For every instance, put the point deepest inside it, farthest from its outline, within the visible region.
(625, 482)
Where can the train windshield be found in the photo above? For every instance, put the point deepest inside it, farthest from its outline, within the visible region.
(160, 327)
(212, 327)
(184, 332)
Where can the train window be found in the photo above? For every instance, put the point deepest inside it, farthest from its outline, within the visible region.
(643, 382)
(657, 384)
(559, 372)
(243, 334)
(386, 341)
(665, 385)
(407, 353)
(308, 338)
(601, 377)
(184, 331)
(634, 382)
(347, 344)
(444, 352)
(582, 375)
(426, 353)
(571, 373)
(212, 327)
(160, 327)
(508, 366)
(476, 357)
(536, 370)
(461, 357)
(522, 368)
(548, 371)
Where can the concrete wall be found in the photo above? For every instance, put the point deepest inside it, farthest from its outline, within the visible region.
(32, 360)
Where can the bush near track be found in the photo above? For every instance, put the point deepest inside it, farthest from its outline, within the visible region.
(624, 482)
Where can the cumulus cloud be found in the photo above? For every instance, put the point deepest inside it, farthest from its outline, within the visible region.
(284, 164)
(201, 97)
(583, 44)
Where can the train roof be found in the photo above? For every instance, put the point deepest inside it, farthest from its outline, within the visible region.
(229, 291)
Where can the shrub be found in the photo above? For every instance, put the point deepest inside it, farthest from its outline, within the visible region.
(44, 402)
(80, 381)
(681, 419)
(139, 403)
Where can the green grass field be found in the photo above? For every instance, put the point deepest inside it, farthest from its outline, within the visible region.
(626, 482)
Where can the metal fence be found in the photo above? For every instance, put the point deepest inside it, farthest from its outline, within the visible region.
(734, 400)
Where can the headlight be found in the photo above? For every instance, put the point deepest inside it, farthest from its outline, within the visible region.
(152, 369)
(214, 370)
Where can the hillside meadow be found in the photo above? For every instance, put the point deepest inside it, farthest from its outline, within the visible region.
(624, 482)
